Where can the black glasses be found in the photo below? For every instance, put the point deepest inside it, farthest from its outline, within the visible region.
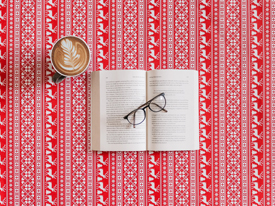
(138, 115)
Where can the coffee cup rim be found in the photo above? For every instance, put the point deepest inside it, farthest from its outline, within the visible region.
(88, 51)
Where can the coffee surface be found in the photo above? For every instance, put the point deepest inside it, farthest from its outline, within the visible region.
(70, 56)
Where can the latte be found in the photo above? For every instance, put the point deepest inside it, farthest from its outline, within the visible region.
(70, 56)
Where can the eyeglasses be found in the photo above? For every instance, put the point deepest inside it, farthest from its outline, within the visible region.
(138, 115)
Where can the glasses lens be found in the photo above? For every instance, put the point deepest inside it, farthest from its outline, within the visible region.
(157, 104)
(136, 117)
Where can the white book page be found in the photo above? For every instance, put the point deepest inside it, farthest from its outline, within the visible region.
(177, 129)
(120, 93)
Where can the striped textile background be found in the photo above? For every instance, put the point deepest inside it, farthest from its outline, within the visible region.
(44, 128)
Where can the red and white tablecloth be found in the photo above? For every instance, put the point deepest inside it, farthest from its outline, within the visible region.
(44, 128)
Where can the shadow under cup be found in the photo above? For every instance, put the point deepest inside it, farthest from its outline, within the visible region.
(70, 57)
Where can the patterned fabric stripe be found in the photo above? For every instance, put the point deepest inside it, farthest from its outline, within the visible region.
(244, 99)
(27, 103)
(119, 179)
(233, 119)
(164, 178)
(215, 107)
(267, 86)
(90, 32)
(232, 123)
(39, 104)
(113, 179)
(170, 34)
(130, 34)
(68, 146)
(61, 154)
(142, 34)
(90, 166)
(51, 111)
(272, 102)
(90, 155)
(157, 162)
(163, 34)
(102, 175)
(182, 177)
(193, 27)
(16, 106)
(182, 34)
(171, 177)
(193, 63)
(119, 34)
(256, 99)
(113, 30)
(79, 88)
(10, 135)
(102, 62)
(154, 178)
(142, 166)
(4, 105)
(221, 136)
(79, 114)
(206, 122)
(68, 112)
(130, 180)
(61, 114)
(153, 35)
(102, 34)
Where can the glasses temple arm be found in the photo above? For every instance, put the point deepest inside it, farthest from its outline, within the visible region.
(134, 120)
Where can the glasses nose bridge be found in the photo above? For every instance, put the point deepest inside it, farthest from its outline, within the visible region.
(145, 107)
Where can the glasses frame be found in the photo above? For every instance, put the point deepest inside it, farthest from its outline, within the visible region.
(144, 106)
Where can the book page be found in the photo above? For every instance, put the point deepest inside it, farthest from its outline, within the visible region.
(177, 129)
(120, 93)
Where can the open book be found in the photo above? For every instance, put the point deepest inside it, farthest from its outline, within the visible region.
(117, 93)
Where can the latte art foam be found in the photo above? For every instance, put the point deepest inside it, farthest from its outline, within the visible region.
(70, 56)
